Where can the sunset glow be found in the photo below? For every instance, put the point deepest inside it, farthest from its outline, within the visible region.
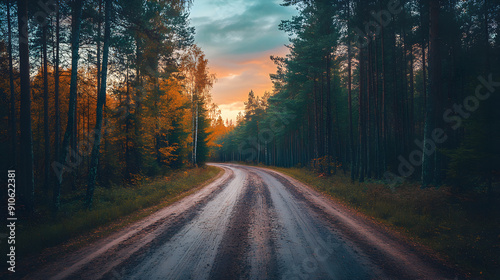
(238, 38)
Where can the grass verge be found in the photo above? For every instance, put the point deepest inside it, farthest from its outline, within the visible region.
(113, 209)
(463, 229)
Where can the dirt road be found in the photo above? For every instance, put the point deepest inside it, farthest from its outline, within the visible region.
(251, 223)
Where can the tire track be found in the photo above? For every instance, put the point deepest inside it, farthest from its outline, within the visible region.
(230, 262)
(190, 254)
(306, 248)
(105, 257)
(252, 223)
(261, 256)
(385, 253)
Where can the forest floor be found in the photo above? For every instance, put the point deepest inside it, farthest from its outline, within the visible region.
(45, 239)
(462, 229)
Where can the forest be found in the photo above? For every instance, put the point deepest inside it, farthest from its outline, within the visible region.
(389, 108)
(382, 90)
(110, 92)
(100, 93)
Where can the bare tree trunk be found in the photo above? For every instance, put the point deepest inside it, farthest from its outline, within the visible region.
(328, 125)
(424, 70)
(316, 120)
(75, 44)
(127, 131)
(26, 177)
(376, 112)
(157, 121)
(349, 93)
(46, 111)
(368, 109)
(487, 65)
(57, 138)
(361, 121)
(74, 139)
(412, 96)
(258, 144)
(383, 111)
(138, 106)
(12, 115)
(428, 164)
(94, 160)
(196, 136)
(486, 37)
(193, 130)
(99, 49)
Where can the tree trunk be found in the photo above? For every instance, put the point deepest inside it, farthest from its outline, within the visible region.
(46, 134)
(94, 160)
(75, 44)
(57, 138)
(99, 49)
(193, 130)
(156, 111)
(361, 121)
(383, 111)
(128, 164)
(424, 70)
(486, 37)
(328, 126)
(196, 137)
(26, 178)
(368, 109)
(349, 93)
(138, 107)
(428, 164)
(316, 125)
(12, 115)
(412, 96)
(376, 113)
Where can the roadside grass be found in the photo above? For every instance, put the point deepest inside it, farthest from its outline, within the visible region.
(113, 209)
(464, 230)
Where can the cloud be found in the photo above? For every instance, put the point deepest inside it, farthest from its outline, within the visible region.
(230, 111)
(238, 37)
(236, 77)
(248, 27)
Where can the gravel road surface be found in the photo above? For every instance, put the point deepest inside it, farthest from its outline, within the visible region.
(250, 223)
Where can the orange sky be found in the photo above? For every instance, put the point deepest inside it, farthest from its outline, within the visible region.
(238, 37)
(235, 79)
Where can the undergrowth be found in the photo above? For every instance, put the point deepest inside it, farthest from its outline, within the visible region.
(111, 205)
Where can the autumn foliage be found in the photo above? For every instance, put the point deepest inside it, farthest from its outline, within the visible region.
(157, 113)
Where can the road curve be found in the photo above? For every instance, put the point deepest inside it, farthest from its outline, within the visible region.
(250, 223)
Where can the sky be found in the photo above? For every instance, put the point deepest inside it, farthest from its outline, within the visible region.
(238, 37)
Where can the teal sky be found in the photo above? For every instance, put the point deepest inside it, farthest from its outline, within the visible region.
(238, 37)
